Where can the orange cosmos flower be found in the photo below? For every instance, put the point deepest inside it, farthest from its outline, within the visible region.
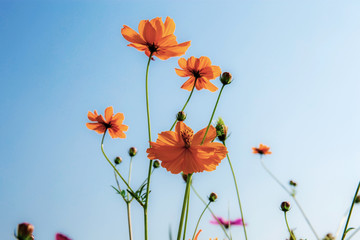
(181, 151)
(111, 123)
(199, 70)
(156, 38)
(262, 150)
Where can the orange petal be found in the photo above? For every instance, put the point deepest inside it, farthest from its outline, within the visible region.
(108, 113)
(191, 63)
(98, 127)
(204, 62)
(210, 136)
(158, 25)
(132, 36)
(189, 84)
(182, 63)
(138, 46)
(169, 26)
(182, 73)
(209, 86)
(168, 138)
(149, 33)
(92, 116)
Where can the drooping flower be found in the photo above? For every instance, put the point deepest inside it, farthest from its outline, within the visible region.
(182, 151)
(156, 38)
(199, 70)
(226, 223)
(111, 123)
(60, 236)
(262, 150)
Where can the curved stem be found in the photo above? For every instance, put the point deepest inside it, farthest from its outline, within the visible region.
(212, 213)
(351, 208)
(293, 196)
(212, 115)
(197, 224)
(186, 215)
(151, 161)
(287, 225)
(187, 190)
(128, 203)
(192, 90)
(237, 192)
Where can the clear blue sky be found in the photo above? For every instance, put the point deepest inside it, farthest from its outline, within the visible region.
(296, 89)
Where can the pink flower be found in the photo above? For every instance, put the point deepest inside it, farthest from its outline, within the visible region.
(227, 223)
(60, 236)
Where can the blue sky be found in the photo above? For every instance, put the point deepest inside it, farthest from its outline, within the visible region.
(296, 88)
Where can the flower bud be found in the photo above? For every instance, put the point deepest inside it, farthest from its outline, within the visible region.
(184, 177)
(117, 160)
(292, 183)
(212, 197)
(156, 164)
(60, 236)
(285, 206)
(329, 236)
(181, 116)
(226, 78)
(357, 199)
(132, 151)
(221, 130)
(25, 231)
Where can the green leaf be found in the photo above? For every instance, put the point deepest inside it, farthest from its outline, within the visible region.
(116, 190)
(349, 229)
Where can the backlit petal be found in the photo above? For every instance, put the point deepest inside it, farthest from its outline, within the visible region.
(169, 26)
(108, 113)
(130, 35)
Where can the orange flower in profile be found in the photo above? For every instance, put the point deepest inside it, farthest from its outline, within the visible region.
(111, 123)
(199, 70)
(262, 150)
(182, 151)
(156, 38)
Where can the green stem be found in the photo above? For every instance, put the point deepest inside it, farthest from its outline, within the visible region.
(151, 161)
(128, 204)
(187, 191)
(342, 221)
(117, 172)
(237, 192)
(212, 213)
(287, 225)
(186, 216)
(197, 224)
(351, 208)
(192, 90)
(212, 115)
(292, 195)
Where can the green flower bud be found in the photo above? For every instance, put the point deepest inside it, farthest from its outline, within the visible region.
(212, 197)
(329, 236)
(132, 151)
(292, 183)
(117, 160)
(357, 199)
(221, 130)
(285, 206)
(226, 78)
(156, 164)
(25, 231)
(181, 116)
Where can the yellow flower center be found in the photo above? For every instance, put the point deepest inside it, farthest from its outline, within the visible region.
(187, 136)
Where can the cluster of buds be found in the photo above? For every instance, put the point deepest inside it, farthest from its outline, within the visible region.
(221, 130)
(25, 231)
(226, 78)
(292, 183)
(285, 206)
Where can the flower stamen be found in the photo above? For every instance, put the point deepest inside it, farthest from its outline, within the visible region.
(187, 136)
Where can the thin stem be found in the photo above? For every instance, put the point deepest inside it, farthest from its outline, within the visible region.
(237, 192)
(128, 204)
(192, 90)
(292, 195)
(117, 172)
(151, 161)
(212, 213)
(287, 225)
(186, 215)
(187, 190)
(356, 231)
(351, 208)
(212, 115)
(342, 221)
(197, 224)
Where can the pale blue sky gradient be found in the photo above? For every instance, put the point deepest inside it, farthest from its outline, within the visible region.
(296, 88)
